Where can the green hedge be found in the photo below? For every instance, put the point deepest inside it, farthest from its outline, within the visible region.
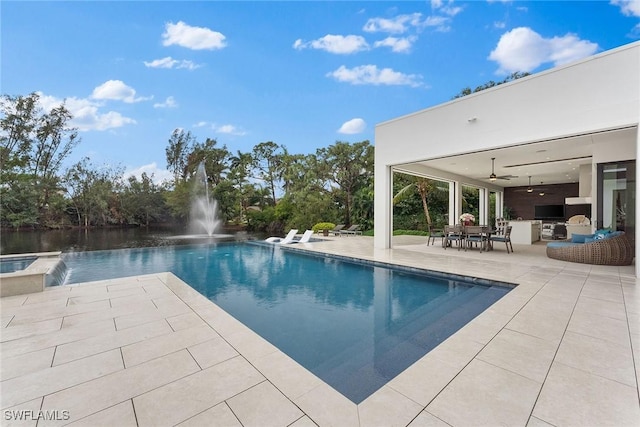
(323, 226)
(410, 233)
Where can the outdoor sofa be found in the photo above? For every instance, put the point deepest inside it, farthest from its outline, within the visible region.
(604, 247)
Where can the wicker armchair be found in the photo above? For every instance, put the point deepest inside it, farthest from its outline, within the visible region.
(612, 251)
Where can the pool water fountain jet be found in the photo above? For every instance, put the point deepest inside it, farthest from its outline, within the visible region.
(203, 217)
(204, 208)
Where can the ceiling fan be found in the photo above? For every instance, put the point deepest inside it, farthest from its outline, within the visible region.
(541, 190)
(529, 189)
(493, 175)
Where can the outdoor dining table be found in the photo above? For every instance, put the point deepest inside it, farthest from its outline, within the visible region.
(464, 235)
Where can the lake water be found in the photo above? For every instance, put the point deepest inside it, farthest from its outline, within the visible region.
(78, 240)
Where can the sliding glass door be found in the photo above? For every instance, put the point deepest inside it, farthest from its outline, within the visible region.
(616, 196)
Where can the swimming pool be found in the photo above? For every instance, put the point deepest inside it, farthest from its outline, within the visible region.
(354, 325)
(13, 264)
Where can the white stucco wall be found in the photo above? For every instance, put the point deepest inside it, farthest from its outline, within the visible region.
(598, 93)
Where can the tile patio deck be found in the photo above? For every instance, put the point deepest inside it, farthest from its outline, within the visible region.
(561, 349)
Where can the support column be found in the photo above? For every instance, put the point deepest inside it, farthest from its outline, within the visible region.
(637, 228)
(382, 205)
(453, 216)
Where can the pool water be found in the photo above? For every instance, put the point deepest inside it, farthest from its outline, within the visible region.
(11, 265)
(354, 325)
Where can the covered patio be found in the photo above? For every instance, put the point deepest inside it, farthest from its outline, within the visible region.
(571, 125)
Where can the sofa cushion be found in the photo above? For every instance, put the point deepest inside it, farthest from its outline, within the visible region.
(561, 244)
(580, 238)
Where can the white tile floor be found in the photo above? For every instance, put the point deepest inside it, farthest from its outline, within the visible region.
(560, 349)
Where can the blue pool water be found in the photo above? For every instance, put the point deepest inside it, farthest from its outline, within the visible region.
(10, 265)
(354, 325)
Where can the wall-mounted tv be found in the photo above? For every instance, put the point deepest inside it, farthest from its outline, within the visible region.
(550, 212)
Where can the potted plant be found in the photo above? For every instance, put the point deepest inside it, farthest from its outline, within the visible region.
(323, 227)
(467, 219)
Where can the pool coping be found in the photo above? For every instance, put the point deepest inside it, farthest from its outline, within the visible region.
(392, 403)
(475, 280)
(31, 279)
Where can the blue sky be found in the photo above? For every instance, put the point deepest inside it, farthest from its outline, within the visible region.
(302, 74)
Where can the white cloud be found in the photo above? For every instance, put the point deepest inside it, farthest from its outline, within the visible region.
(371, 75)
(197, 38)
(440, 22)
(404, 23)
(157, 175)
(225, 129)
(400, 45)
(229, 129)
(91, 119)
(169, 62)
(118, 91)
(628, 7)
(353, 126)
(448, 8)
(522, 49)
(86, 113)
(335, 44)
(397, 25)
(170, 102)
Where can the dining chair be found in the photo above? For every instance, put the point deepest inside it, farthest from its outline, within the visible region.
(506, 238)
(476, 234)
(453, 234)
(501, 224)
(435, 233)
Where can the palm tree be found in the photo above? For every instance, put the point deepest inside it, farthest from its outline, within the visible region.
(423, 186)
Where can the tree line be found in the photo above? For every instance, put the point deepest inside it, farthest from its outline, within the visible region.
(267, 189)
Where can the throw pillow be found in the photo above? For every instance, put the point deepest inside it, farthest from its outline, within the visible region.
(601, 234)
(580, 238)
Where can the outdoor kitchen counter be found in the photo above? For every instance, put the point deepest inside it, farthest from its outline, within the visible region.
(525, 232)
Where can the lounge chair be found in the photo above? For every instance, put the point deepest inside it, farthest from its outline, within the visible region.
(354, 229)
(337, 229)
(613, 249)
(287, 239)
(305, 237)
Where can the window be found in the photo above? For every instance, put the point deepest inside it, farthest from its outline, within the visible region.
(616, 196)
